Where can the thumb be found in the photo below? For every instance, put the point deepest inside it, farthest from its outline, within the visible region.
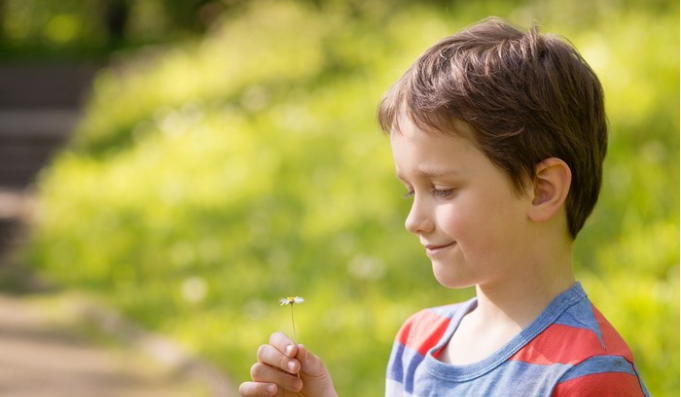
(317, 380)
(310, 364)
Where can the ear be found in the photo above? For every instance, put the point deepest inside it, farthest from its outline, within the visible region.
(552, 179)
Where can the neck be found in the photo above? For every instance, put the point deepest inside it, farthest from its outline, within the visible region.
(518, 300)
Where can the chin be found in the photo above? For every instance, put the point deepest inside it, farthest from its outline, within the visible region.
(449, 279)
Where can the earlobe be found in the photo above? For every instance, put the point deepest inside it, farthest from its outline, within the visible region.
(552, 181)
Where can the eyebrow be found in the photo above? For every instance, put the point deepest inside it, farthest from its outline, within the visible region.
(432, 173)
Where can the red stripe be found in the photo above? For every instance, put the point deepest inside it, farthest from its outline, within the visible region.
(423, 330)
(610, 384)
(571, 345)
(614, 343)
(560, 344)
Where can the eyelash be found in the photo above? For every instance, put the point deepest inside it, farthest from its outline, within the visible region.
(441, 193)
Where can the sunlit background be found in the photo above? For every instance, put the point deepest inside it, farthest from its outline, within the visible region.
(227, 154)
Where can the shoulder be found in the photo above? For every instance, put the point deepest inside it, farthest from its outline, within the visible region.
(601, 376)
(423, 329)
(598, 361)
(604, 364)
(579, 333)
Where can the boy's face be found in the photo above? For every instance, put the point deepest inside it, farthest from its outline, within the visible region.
(465, 211)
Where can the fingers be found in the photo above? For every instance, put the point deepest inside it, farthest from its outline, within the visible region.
(284, 344)
(266, 374)
(284, 366)
(283, 354)
(256, 389)
(270, 355)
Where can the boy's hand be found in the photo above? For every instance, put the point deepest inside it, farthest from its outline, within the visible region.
(284, 367)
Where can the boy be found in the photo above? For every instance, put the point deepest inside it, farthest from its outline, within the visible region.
(499, 136)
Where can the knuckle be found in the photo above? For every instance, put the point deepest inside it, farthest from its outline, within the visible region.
(284, 363)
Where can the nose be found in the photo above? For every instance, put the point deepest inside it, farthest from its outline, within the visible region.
(419, 220)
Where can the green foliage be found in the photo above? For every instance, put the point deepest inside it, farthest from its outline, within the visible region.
(48, 23)
(207, 182)
(46, 30)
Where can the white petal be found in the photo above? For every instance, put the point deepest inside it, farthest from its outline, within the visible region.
(298, 299)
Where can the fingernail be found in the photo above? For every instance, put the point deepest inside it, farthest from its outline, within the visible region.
(271, 389)
(289, 350)
(291, 366)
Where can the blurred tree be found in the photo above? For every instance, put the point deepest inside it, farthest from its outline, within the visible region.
(71, 27)
(116, 14)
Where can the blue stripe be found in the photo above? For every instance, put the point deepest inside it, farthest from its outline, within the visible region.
(395, 370)
(600, 365)
(511, 379)
(402, 365)
(582, 316)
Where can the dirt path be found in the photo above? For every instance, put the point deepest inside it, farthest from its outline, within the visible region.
(42, 357)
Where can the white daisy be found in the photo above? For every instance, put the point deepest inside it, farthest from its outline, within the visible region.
(290, 300)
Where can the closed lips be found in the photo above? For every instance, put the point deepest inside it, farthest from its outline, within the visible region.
(432, 247)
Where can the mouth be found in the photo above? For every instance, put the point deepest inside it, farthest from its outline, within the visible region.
(432, 249)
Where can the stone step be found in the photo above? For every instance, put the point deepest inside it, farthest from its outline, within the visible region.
(44, 85)
(38, 122)
(28, 139)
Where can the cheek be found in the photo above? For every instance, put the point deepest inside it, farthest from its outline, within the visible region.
(477, 225)
(460, 220)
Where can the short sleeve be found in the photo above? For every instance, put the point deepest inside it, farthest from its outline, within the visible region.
(610, 376)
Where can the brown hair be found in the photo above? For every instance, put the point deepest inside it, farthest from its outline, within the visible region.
(528, 97)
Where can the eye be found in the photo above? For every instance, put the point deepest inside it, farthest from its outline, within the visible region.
(442, 193)
(409, 194)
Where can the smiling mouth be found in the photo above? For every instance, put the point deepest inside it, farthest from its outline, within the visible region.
(434, 249)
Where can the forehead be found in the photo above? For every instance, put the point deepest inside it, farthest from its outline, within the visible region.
(432, 152)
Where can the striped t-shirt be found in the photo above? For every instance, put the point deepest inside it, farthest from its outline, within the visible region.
(569, 350)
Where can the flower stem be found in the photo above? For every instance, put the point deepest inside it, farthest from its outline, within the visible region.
(295, 337)
(293, 321)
